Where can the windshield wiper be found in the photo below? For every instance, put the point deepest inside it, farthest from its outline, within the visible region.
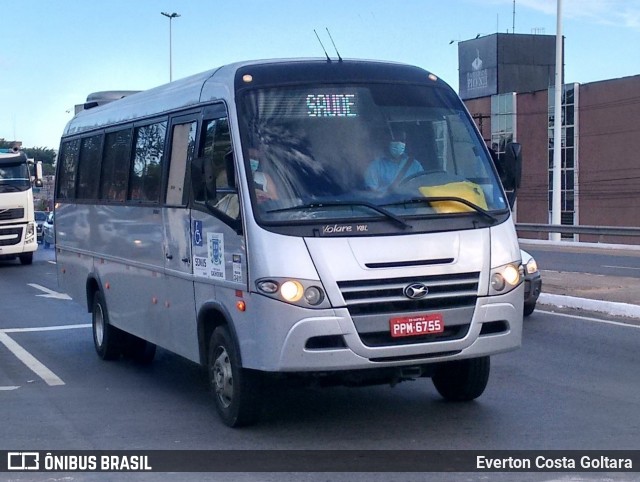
(398, 220)
(432, 199)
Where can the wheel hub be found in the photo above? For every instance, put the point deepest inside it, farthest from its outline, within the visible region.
(222, 378)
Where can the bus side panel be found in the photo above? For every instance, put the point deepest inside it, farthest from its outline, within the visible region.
(122, 248)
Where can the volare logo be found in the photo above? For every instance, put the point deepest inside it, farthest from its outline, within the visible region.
(337, 228)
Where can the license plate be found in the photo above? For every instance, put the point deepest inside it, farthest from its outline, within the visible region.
(416, 325)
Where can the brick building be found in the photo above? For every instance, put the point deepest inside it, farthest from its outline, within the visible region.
(600, 134)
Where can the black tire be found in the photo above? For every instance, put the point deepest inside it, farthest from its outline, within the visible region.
(26, 258)
(529, 308)
(236, 391)
(462, 380)
(107, 339)
(140, 350)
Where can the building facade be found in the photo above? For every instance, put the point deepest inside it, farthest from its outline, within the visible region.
(600, 151)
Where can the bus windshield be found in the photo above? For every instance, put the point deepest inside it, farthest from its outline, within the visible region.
(14, 177)
(345, 151)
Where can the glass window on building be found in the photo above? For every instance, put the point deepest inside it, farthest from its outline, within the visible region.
(503, 121)
(569, 154)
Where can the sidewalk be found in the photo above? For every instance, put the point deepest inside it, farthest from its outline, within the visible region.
(612, 295)
(617, 296)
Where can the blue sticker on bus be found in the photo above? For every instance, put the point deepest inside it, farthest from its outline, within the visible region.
(197, 233)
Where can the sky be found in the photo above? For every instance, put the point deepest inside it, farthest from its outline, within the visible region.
(55, 53)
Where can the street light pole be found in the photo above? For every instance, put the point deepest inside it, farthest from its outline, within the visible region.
(556, 195)
(170, 16)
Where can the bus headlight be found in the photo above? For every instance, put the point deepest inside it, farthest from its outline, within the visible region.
(291, 291)
(306, 293)
(505, 278)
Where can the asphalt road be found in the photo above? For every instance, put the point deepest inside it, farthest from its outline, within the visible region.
(594, 260)
(572, 385)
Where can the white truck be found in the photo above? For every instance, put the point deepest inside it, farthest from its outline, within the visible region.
(18, 236)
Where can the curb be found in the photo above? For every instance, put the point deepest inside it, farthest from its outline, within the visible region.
(609, 307)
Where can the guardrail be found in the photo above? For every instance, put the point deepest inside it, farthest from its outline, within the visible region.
(568, 229)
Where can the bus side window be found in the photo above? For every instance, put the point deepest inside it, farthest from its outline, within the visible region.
(67, 170)
(182, 147)
(116, 165)
(146, 175)
(216, 150)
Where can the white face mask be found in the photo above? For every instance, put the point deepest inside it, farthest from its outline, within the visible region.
(396, 148)
(254, 164)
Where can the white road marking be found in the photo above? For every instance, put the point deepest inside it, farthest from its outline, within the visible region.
(50, 293)
(588, 318)
(52, 262)
(28, 359)
(619, 267)
(46, 328)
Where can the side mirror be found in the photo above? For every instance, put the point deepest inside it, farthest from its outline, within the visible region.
(512, 166)
(37, 177)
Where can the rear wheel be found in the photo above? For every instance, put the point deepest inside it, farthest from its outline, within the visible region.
(462, 380)
(236, 390)
(106, 338)
(140, 350)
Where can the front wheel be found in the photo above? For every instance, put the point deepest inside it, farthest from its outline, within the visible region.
(26, 258)
(462, 380)
(236, 390)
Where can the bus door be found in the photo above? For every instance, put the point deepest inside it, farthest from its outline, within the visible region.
(218, 245)
(178, 302)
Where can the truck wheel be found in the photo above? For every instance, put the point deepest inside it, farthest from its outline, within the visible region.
(462, 380)
(26, 258)
(106, 338)
(236, 391)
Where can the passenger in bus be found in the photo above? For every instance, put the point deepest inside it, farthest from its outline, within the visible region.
(390, 170)
(264, 185)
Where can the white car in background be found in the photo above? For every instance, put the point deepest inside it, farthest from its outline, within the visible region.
(532, 282)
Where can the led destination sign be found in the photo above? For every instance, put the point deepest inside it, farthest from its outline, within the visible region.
(331, 105)
(318, 103)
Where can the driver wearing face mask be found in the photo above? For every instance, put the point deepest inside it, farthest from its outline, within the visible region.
(264, 186)
(392, 168)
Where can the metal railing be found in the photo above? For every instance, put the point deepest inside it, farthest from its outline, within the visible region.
(569, 229)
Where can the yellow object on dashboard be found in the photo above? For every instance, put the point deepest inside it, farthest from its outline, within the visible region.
(466, 190)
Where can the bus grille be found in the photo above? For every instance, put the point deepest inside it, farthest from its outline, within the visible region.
(385, 297)
(15, 233)
(8, 214)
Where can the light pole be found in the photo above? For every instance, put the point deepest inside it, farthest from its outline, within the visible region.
(170, 16)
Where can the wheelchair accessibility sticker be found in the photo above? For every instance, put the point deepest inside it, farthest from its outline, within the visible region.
(197, 233)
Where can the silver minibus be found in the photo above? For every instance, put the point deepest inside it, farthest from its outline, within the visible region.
(336, 222)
